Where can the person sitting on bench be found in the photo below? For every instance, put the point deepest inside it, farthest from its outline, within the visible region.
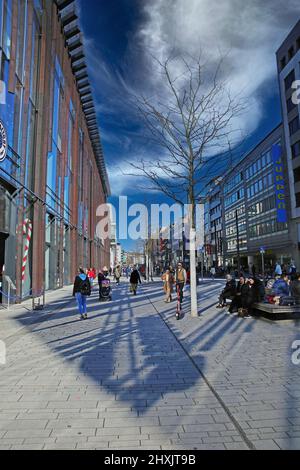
(281, 287)
(295, 288)
(227, 293)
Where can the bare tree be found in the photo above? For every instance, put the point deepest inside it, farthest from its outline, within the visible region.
(191, 124)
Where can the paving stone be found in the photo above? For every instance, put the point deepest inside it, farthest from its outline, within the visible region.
(236, 446)
(266, 444)
(288, 444)
(75, 423)
(22, 433)
(132, 389)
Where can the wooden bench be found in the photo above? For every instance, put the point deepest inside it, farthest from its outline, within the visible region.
(277, 311)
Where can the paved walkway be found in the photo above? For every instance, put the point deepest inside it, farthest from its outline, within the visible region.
(132, 377)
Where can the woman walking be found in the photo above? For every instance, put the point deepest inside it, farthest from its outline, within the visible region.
(168, 280)
(81, 290)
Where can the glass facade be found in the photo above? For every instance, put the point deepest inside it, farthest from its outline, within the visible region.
(250, 211)
(49, 176)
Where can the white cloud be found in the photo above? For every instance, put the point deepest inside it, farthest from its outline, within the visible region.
(249, 33)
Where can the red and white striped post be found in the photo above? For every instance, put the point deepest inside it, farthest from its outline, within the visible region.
(27, 231)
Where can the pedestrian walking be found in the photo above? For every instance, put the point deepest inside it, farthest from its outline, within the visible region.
(168, 280)
(118, 274)
(213, 272)
(180, 279)
(292, 269)
(278, 270)
(81, 290)
(91, 275)
(135, 279)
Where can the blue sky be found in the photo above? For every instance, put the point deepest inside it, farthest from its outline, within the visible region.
(122, 35)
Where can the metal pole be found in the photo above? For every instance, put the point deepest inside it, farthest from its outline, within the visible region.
(8, 300)
(216, 248)
(202, 266)
(263, 265)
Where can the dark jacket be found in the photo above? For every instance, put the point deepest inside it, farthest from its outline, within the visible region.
(79, 281)
(230, 288)
(101, 278)
(261, 291)
(281, 288)
(135, 277)
(295, 289)
(250, 295)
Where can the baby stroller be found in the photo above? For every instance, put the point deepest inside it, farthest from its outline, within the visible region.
(105, 291)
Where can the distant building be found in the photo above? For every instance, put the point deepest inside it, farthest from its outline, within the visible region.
(213, 226)
(288, 63)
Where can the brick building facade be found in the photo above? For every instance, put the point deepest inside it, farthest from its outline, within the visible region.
(53, 176)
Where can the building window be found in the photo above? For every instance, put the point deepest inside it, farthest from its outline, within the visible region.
(297, 175)
(21, 38)
(53, 180)
(289, 80)
(294, 125)
(7, 27)
(283, 63)
(291, 52)
(297, 199)
(296, 150)
(290, 105)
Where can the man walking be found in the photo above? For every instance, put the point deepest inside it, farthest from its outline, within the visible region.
(180, 278)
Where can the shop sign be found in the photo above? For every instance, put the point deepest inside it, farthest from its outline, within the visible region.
(279, 182)
(3, 142)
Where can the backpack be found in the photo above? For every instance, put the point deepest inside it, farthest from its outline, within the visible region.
(85, 287)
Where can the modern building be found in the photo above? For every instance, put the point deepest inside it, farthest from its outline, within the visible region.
(52, 170)
(255, 221)
(288, 63)
(247, 220)
(260, 197)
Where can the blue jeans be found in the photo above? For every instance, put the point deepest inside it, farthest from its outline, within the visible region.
(81, 302)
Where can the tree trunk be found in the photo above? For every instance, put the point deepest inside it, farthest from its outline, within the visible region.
(193, 278)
